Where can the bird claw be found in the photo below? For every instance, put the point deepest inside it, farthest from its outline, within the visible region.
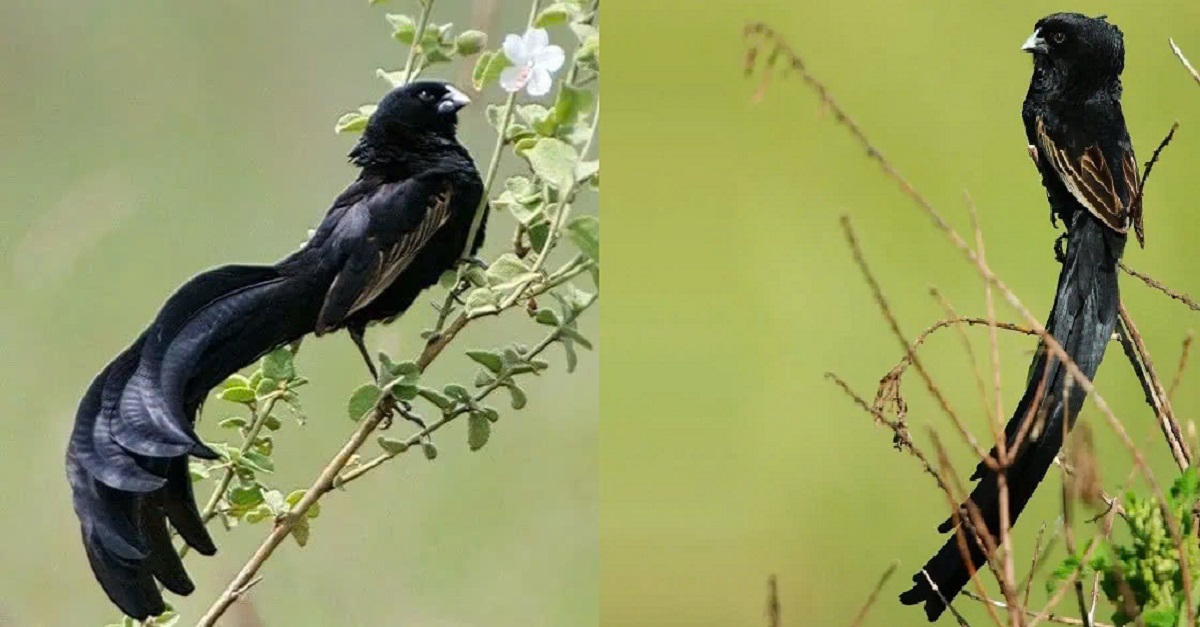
(405, 409)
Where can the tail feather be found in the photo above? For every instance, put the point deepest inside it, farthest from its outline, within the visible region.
(1081, 321)
(150, 423)
(179, 505)
(127, 460)
(91, 444)
(161, 560)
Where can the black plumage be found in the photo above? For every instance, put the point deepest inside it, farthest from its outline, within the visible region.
(1077, 136)
(387, 237)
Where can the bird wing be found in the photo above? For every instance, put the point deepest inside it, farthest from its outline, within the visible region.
(392, 226)
(1086, 173)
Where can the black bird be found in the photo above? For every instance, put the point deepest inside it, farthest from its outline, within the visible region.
(387, 237)
(1078, 140)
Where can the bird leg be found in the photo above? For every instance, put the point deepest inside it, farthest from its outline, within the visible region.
(406, 409)
(356, 335)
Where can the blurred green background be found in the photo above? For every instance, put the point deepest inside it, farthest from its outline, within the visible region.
(145, 141)
(726, 454)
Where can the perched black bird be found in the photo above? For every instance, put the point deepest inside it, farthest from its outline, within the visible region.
(1079, 142)
(387, 237)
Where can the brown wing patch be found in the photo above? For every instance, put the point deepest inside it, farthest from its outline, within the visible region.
(1133, 183)
(1089, 180)
(394, 260)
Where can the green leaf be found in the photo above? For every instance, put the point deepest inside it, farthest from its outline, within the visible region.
(479, 429)
(538, 234)
(392, 446)
(258, 514)
(238, 395)
(266, 385)
(355, 121)
(233, 422)
(519, 399)
(572, 102)
(1187, 486)
(505, 268)
(300, 532)
(236, 381)
(362, 400)
(584, 31)
(294, 497)
(272, 423)
(246, 496)
(554, 161)
(585, 232)
(482, 300)
(488, 68)
(482, 378)
(258, 461)
(395, 79)
(555, 14)
(197, 471)
(521, 146)
(588, 171)
(404, 29)
(572, 358)
(458, 393)
(488, 359)
(429, 449)
(470, 42)
(1062, 573)
(1161, 617)
(435, 397)
(278, 365)
(547, 317)
(448, 279)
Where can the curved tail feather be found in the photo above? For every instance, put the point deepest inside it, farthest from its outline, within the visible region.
(127, 460)
(1082, 321)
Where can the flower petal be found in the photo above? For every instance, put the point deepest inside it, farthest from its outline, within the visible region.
(514, 49)
(549, 58)
(539, 82)
(535, 39)
(513, 78)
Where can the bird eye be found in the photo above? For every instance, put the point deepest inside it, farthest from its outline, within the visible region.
(1059, 37)
(425, 96)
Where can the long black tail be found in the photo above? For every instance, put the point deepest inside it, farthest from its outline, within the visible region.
(1082, 321)
(127, 460)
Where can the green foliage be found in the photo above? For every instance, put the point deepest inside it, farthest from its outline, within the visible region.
(1149, 566)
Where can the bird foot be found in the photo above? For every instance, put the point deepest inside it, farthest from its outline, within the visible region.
(405, 409)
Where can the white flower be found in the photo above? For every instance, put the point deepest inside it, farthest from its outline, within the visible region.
(534, 59)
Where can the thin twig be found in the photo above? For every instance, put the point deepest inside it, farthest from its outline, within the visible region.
(773, 610)
(1050, 618)
(1179, 296)
(862, 612)
(1179, 53)
(1183, 361)
(1156, 395)
(882, 302)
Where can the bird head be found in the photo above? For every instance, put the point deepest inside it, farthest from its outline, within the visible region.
(1078, 46)
(425, 106)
